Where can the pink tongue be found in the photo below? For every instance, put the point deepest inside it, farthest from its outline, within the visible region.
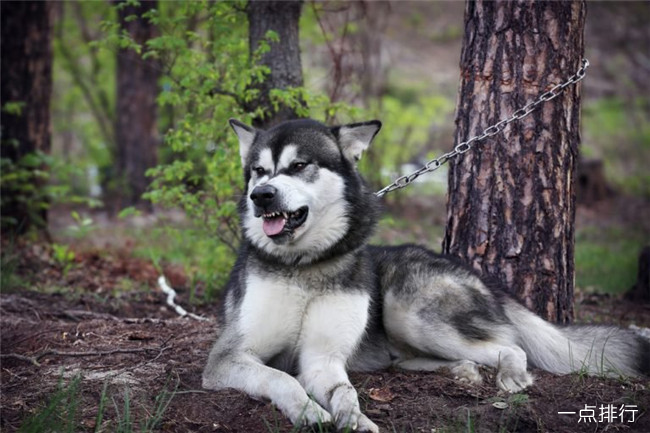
(273, 226)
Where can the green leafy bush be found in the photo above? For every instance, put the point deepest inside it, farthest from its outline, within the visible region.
(406, 134)
(22, 184)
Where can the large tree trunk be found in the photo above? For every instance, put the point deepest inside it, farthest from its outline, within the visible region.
(511, 204)
(26, 52)
(136, 129)
(283, 59)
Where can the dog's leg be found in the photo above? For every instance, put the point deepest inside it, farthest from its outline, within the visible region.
(464, 371)
(332, 330)
(510, 360)
(242, 371)
(430, 335)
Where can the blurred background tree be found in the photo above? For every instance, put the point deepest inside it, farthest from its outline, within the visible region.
(26, 52)
(276, 22)
(136, 110)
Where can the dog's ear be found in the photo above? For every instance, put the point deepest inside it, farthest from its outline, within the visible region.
(356, 137)
(246, 135)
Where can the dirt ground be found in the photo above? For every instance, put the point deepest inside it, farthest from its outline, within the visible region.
(127, 339)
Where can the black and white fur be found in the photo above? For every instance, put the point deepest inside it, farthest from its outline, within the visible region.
(308, 299)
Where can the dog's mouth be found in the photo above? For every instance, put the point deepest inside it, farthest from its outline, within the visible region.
(277, 224)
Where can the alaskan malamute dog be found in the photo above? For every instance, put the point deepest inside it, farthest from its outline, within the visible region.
(308, 299)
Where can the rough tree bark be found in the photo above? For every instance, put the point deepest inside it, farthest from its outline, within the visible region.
(511, 203)
(136, 128)
(283, 59)
(26, 52)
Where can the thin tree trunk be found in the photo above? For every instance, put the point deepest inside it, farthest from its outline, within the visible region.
(136, 110)
(640, 292)
(283, 59)
(88, 82)
(26, 52)
(511, 204)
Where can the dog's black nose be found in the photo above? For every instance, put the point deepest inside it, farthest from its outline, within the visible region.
(263, 195)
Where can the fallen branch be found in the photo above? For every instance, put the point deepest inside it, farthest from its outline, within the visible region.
(34, 359)
(162, 349)
(171, 294)
(20, 357)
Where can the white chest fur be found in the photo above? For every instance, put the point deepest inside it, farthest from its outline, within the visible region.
(271, 315)
(278, 315)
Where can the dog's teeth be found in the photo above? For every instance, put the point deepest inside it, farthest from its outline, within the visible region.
(277, 214)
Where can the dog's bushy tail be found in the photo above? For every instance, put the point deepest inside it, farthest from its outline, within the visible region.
(594, 350)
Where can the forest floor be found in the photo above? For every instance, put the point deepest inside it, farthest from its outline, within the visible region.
(91, 343)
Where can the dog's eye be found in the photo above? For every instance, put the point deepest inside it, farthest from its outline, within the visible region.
(259, 171)
(298, 166)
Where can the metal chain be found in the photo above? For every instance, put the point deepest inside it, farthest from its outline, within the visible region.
(490, 131)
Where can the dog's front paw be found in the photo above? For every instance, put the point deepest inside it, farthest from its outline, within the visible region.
(310, 414)
(365, 425)
(467, 372)
(513, 380)
(356, 422)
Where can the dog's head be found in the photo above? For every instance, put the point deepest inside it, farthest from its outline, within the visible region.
(301, 185)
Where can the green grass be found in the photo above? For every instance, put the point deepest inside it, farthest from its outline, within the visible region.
(616, 131)
(205, 261)
(606, 259)
(61, 411)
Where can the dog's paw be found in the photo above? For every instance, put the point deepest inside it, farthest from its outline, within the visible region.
(467, 372)
(356, 422)
(365, 425)
(311, 414)
(513, 380)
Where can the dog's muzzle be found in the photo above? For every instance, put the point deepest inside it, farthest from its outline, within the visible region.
(278, 223)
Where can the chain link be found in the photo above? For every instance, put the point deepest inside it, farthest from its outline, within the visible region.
(490, 131)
